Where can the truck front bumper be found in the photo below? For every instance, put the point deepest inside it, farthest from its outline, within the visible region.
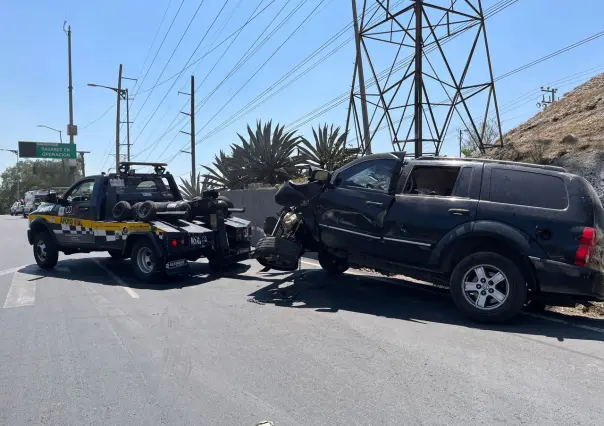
(562, 278)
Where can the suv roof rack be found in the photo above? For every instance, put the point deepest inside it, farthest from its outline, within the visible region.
(488, 160)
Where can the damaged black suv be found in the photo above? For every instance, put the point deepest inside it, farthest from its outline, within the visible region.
(502, 235)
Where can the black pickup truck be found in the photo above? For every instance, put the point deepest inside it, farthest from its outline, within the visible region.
(501, 235)
(120, 213)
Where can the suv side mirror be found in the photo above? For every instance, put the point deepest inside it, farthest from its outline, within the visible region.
(51, 197)
(320, 175)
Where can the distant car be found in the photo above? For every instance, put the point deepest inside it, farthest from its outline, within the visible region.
(33, 199)
(16, 208)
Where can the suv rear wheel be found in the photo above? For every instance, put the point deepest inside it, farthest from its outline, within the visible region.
(488, 287)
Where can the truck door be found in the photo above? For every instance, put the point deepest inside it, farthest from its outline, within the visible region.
(434, 199)
(77, 216)
(351, 213)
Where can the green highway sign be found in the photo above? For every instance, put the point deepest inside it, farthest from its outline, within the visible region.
(48, 150)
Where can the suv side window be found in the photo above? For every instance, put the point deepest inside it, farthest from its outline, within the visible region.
(82, 192)
(375, 175)
(436, 180)
(526, 188)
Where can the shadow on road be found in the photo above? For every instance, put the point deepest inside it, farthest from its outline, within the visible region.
(314, 289)
(87, 269)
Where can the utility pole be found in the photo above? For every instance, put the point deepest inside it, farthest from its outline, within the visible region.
(192, 132)
(419, 80)
(83, 163)
(124, 96)
(71, 129)
(359, 62)
(460, 140)
(117, 121)
(550, 99)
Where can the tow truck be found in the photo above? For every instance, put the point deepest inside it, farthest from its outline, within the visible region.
(141, 216)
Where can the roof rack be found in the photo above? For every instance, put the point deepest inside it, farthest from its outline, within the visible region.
(140, 163)
(487, 160)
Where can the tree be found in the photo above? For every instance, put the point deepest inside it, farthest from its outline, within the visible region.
(267, 155)
(192, 187)
(226, 172)
(329, 150)
(38, 174)
(470, 145)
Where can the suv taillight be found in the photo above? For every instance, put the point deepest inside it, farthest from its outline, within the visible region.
(587, 243)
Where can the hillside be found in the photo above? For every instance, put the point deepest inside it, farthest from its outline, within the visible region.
(568, 133)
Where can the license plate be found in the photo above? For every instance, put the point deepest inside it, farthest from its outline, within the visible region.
(199, 240)
(173, 264)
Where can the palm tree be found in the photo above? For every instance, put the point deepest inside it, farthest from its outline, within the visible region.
(267, 155)
(192, 187)
(329, 151)
(226, 172)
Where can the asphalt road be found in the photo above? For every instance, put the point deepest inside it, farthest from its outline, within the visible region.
(86, 344)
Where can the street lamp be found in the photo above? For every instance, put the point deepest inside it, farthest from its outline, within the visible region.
(51, 128)
(16, 152)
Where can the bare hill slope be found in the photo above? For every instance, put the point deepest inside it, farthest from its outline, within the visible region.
(569, 133)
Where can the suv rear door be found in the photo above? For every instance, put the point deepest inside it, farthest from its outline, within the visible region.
(535, 202)
(433, 198)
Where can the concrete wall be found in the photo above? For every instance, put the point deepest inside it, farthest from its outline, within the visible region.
(258, 203)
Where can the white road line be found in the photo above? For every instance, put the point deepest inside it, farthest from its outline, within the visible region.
(22, 291)
(118, 280)
(11, 270)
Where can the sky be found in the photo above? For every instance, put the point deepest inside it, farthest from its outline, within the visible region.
(34, 77)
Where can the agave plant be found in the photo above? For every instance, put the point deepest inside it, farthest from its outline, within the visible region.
(226, 172)
(267, 155)
(329, 150)
(192, 187)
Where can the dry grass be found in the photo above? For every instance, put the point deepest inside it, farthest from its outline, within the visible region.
(573, 124)
(590, 310)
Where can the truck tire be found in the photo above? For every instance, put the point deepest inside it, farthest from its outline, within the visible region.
(146, 262)
(122, 211)
(228, 202)
(46, 251)
(331, 263)
(278, 253)
(146, 211)
(488, 287)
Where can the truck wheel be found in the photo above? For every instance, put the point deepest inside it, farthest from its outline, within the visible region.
(115, 254)
(488, 287)
(145, 260)
(331, 263)
(46, 252)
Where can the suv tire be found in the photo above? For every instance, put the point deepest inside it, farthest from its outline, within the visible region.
(488, 287)
(331, 263)
(146, 262)
(46, 252)
(278, 253)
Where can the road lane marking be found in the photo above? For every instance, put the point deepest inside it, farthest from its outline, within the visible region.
(12, 270)
(22, 291)
(118, 280)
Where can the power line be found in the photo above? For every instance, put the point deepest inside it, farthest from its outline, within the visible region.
(174, 82)
(99, 117)
(166, 66)
(154, 145)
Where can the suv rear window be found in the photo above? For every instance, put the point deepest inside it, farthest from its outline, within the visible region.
(526, 188)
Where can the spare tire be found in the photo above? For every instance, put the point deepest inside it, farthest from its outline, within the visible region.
(278, 253)
(122, 211)
(135, 207)
(228, 202)
(146, 211)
